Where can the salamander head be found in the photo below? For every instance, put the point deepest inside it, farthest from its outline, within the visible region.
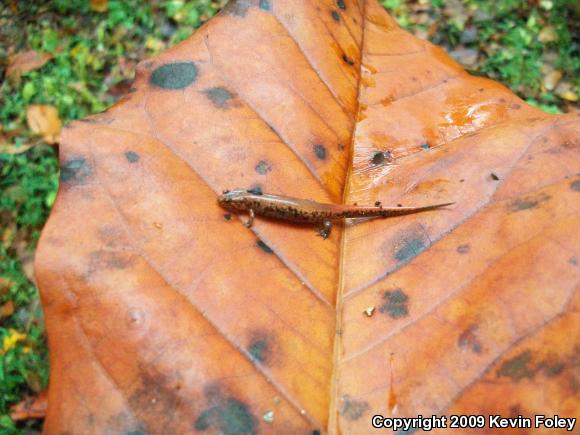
(234, 199)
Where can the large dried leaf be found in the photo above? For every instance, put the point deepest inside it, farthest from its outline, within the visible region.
(165, 317)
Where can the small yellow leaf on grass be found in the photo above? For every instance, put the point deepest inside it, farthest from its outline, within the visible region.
(566, 91)
(154, 44)
(99, 5)
(44, 120)
(11, 339)
(26, 61)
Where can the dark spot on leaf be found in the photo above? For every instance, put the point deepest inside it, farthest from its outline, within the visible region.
(515, 410)
(378, 158)
(132, 156)
(335, 16)
(570, 144)
(226, 415)
(320, 151)
(75, 171)
(552, 369)
(259, 348)
(469, 339)
(257, 190)
(219, 96)
(425, 146)
(575, 185)
(517, 367)
(395, 303)
(264, 247)
(174, 75)
(516, 106)
(102, 260)
(409, 248)
(341, 5)
(494, 177)
(204, 420)
(265, 5)
(347, 60)
(228, 216)
(156, 394)
(111, 235)
(353, 409)
(521, 204)
(263, 167)
(463, 249)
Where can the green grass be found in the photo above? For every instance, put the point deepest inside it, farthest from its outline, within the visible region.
(510, 37)
(84, 77)
(94, 55)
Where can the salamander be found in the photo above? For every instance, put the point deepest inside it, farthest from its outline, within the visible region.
(305, 210)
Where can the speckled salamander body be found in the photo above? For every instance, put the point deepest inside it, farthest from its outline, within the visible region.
(307, 211)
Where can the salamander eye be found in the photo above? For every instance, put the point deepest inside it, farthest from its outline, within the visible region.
(225, 191)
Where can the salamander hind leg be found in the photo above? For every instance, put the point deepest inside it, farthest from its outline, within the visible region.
(325, 229)
(250, 221)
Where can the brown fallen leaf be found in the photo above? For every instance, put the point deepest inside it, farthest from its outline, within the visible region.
(25, 62)
(44, 120)
(551, 80)
(30, 408)
(6, 309)
(99, 5)
(165, 314)
(6, 147)
(14, 149)
(5, 285)
(26, 258)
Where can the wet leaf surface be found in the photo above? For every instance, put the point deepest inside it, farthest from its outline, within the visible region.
(165, 315)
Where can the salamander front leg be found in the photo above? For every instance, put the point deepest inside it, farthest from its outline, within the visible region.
(325, 229)
(250, 221)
